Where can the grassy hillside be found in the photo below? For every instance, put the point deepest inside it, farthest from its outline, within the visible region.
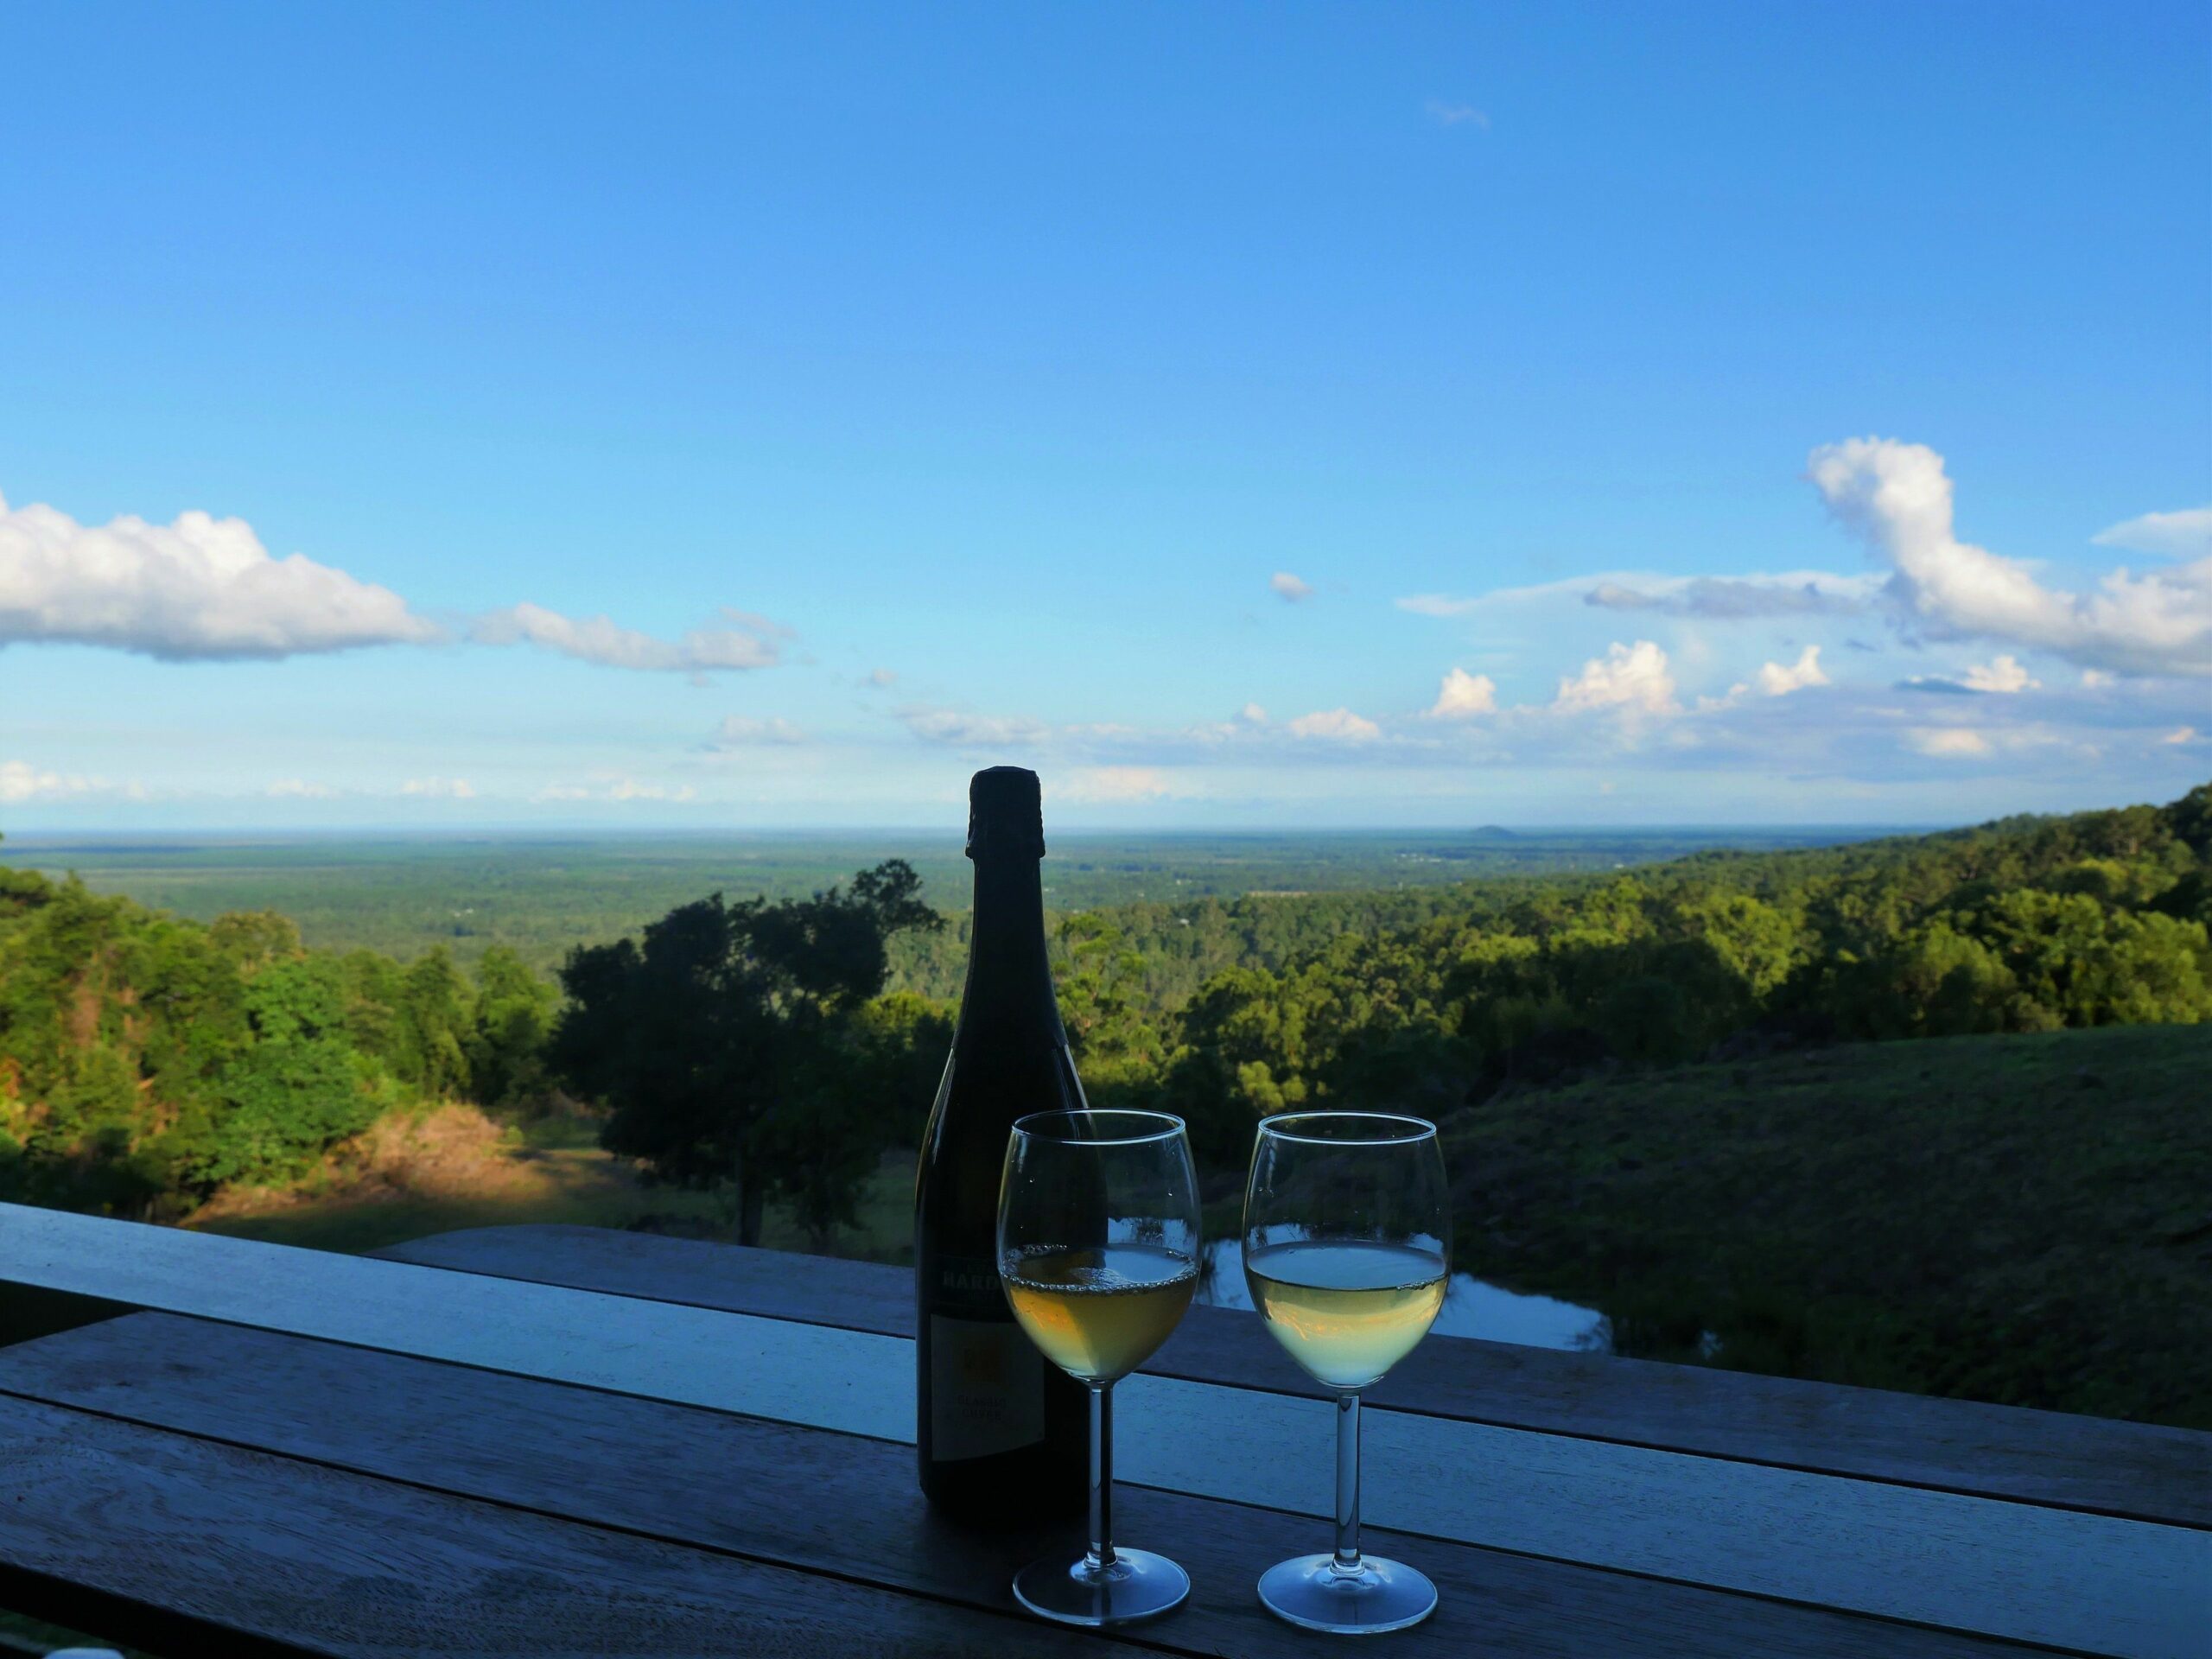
(2024, 1219)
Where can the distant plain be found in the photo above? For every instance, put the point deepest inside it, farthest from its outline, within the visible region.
(542, 894)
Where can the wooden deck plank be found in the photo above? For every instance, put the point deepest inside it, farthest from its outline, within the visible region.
(684, 1475)
(186, 1546)
(2135, 1470)
(2027, 1572)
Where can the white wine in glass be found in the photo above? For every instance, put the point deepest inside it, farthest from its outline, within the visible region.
(1347, 1251)
(1098, 1314)
(1098, 1251)
(1348, 1311)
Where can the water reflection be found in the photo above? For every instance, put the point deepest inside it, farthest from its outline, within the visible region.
(1471, 1308)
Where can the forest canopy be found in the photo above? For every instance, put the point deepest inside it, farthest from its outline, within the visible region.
(147, 1062)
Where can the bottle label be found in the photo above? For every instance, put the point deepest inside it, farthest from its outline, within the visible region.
(986, 1388)
(986, 1381)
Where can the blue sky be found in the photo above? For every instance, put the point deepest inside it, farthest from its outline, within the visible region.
(1286, 416)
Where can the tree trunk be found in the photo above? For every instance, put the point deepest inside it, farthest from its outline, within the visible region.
(752, 1205)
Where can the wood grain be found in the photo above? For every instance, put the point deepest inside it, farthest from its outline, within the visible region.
(849, 1506)
(2037, 1456)
(2028, 1573)
(187, 1546)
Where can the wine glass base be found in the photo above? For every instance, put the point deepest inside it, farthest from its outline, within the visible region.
(1139, 1585)
(1382, 1595)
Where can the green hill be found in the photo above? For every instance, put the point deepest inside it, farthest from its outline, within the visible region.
(2024, 1219)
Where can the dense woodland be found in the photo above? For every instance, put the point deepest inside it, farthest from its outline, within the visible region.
(146, 1061)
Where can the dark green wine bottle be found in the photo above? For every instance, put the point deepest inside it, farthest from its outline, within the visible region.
(1003, 1435)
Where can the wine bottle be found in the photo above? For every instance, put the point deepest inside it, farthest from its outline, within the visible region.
(1003, 1435)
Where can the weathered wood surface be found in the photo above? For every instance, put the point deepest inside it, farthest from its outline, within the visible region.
(2038, 1457)
(2028, 1573)
(189, 1547)
(849, 1506)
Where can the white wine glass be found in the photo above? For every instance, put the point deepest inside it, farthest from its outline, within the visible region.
(1347, 1251)
(1098, 1250)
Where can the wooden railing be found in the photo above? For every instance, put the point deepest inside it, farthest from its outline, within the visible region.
(2077, 1533)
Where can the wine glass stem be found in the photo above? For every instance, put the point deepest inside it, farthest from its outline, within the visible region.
(1347, 1560)
(1101, 1477)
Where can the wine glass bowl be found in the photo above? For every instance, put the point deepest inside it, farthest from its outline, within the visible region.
(1098, 1251)
(1347, 1252)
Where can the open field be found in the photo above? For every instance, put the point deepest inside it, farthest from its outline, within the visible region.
(544, 894)
(547, 1173)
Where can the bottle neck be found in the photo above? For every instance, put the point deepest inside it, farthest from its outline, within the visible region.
(1010, 975)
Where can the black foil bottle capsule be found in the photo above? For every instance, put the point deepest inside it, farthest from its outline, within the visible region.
(1003, 1435)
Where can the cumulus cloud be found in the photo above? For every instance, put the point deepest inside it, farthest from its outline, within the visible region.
(1776, 681)
(742, 641)
(1252, 714)
(1801, 593)
(20, 781)
(1946, 742)
(1111, 784)
(2180, 735)
(950, 726)
(198, 587)
(298, 789)
(880, 679)
(444, 789)
(1336, 726)
(1634, 678)
(2000, 675)
(2185, 535)
(1898, 497)
(1290, 588)
(1464, 695)
(741, 731)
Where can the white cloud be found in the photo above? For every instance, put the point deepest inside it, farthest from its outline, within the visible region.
(746, 641)
(1897, 495)
(1288, 587)
(2000, 675)
(198, 587)
(974, 731)
(1946, 742)
(1457, 115)
(1336, 726)
(20, 781)
(2185, 535)
(619, 789)
(1714, 599)
(1630, 677)
(739, 731)
(445, 789)
(1110, 784)
(1729, 599)
(1776, 681)
(2180, 735)
(1464, 695)
(880, 679)
(2093, 677)
(1252, 714)
(300, 790)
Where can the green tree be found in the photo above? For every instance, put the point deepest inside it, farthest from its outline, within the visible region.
(728, 1042)
(513, 1018)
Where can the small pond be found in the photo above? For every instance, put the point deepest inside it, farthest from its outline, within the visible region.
(1471, 1308)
